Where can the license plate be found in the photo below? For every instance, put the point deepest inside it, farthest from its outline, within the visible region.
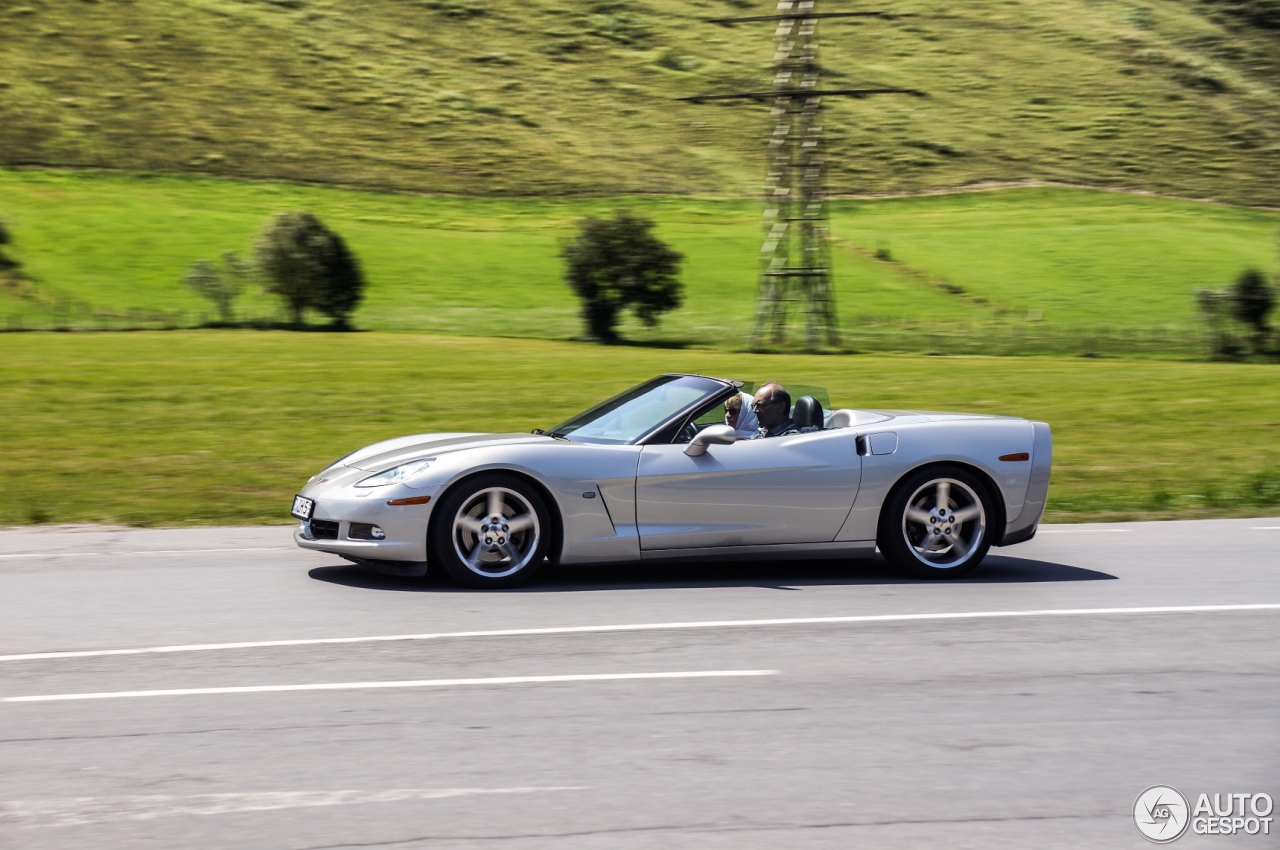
(302, 507)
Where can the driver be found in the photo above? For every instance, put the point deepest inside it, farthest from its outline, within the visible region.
(772, 406)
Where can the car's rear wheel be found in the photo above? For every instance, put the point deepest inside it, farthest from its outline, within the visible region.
(491, 531)
(935, 523)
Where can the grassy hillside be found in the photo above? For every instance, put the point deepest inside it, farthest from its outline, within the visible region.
(545, 97)
(965, 272)
(194, 427)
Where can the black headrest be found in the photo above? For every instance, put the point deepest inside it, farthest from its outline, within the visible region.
(808, 413)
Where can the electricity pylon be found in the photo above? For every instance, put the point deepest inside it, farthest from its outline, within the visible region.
(795, 258)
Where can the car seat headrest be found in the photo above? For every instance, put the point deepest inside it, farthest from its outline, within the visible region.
(808, 413)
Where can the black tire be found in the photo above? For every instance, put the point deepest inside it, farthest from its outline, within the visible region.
(923, 537)
(478, 551)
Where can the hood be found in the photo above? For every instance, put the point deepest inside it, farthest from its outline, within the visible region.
(389, 453)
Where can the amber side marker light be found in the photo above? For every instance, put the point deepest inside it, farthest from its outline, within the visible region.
(1018, 456)
(413, 500)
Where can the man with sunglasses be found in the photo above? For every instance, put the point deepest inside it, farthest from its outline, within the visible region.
(772, 406)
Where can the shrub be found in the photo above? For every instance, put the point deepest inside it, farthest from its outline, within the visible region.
(1215, 307)
(456, 8)
(673, 61)
(618, 21)
(616, 264)
(1264, 14)
(1246, 305)
(222, 286)
(309, 266)
(6, 263)
(1252, 300)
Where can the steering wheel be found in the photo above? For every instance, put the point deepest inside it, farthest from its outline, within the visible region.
(687, 433)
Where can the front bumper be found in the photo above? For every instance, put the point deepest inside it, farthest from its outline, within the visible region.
(405, 526)
(390, 550)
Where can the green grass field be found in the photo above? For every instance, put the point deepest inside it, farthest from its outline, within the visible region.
(205, 427)
(548, 97)
(1077, 261)
(138, 137)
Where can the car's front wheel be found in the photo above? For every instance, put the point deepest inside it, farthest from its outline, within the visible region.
(491, 531)
(935, 523)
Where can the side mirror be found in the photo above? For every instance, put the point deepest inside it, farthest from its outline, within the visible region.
(720, 435)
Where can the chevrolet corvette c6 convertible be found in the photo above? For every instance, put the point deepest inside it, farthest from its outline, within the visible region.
(653, 473)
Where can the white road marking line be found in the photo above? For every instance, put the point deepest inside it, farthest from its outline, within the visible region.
(418, 683)
(1264, 528)
(644, 627)
(142, 552)
(1085, 530)
(77, 811)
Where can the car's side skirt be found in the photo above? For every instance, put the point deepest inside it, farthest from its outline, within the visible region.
(842, 549)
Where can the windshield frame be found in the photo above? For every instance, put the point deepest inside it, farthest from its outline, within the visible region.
(724, 387)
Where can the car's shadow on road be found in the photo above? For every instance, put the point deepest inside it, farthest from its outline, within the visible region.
(772, 575)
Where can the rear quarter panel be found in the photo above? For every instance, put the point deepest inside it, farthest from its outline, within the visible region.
(921, 441)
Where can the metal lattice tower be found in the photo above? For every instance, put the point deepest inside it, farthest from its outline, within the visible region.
(795, 258)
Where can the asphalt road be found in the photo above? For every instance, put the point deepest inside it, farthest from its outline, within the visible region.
(852, 724)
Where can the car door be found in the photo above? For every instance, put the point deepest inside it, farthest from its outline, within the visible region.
(795, 489)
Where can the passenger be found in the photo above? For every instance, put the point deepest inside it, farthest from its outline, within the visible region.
(739, 416)
(772, 406)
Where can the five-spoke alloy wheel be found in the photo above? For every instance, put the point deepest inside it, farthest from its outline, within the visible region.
(491, 531)
(936, 523)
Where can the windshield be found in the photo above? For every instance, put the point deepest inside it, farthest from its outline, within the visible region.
(627, 417)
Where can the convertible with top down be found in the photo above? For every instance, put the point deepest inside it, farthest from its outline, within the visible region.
(654, 473)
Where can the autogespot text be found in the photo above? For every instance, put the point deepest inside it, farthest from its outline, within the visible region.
(1231, 814)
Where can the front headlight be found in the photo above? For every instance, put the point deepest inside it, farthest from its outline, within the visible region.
(400, 475)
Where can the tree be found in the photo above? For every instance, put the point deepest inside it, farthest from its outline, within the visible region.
(617, 264)
(1252, 300)
(1248, 302)
(222, 286)
(1215, 306)
(309, 266)
(5, 262)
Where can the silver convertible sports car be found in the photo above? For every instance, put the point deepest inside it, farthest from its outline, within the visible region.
(654, 473)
